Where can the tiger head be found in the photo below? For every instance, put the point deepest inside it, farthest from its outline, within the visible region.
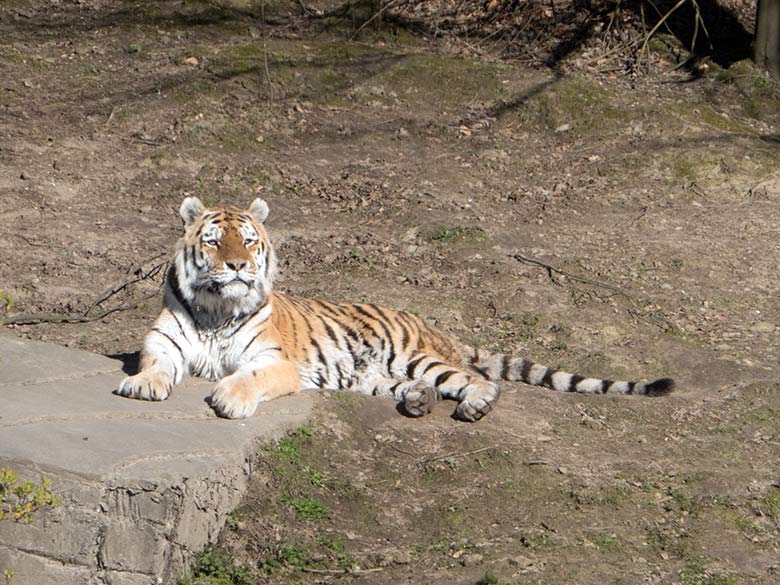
(225, 263)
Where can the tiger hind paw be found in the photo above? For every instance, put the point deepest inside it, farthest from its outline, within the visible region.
(420, 399)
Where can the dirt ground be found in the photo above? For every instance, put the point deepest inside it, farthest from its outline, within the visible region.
(613, 225)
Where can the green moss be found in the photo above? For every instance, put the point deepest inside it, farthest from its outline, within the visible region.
(698, 113)
(690, 165)
(580, 103)
(445, 81)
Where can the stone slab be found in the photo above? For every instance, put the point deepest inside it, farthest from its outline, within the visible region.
(143, 484)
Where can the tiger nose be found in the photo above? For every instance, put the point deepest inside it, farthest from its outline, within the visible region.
(236, 265)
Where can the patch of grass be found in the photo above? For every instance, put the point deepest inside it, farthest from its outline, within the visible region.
(6, 303)
(666, 539)
(315, 477)
(293, 555)
(458, 235)
(770, 503)
(214, 567)
(611, 496)
(605, 541)
(488, 579)
(308, 508)
(288, 449)
(695, 573)
(132, 49)
(537, 539)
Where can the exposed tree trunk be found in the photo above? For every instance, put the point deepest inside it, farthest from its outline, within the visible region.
(766, 48)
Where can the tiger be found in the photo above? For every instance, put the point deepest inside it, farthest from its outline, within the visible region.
(223, 321)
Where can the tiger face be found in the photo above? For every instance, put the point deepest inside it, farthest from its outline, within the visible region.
(225, 257)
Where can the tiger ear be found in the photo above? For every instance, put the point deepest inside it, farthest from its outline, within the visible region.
(191, 209)
(259, 210)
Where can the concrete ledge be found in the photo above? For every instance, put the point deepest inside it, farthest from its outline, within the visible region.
(143, 485)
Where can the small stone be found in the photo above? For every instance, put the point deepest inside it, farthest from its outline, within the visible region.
(563, 128)
(191, 61)
(24, 176)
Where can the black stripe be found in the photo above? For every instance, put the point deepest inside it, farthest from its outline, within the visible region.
(385, 323)
(390, 357)
(251, 341)
(173, 282)
(504, 367)
(443, 377)
(412, 365)
(252, 316)
(340, 373)
(405, 335)
(293, 328)
(525, 371)
(604, 385)
(321, 357)
(181, 329)
(193, 252)
(394, 387)
(382, 316)
(431, 366)
(631, 386)
(482, 371)
(410, 322)
(175, 372)
(547, 379)
(362, 311)
(329, 330)
(575, 379)
(169, 338)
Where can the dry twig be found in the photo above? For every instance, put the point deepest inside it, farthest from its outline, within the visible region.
(346, 571)
(38, 318)
(151, 273)
(453, 455)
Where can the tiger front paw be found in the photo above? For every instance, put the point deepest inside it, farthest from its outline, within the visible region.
(147, 385)
(234, 398)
